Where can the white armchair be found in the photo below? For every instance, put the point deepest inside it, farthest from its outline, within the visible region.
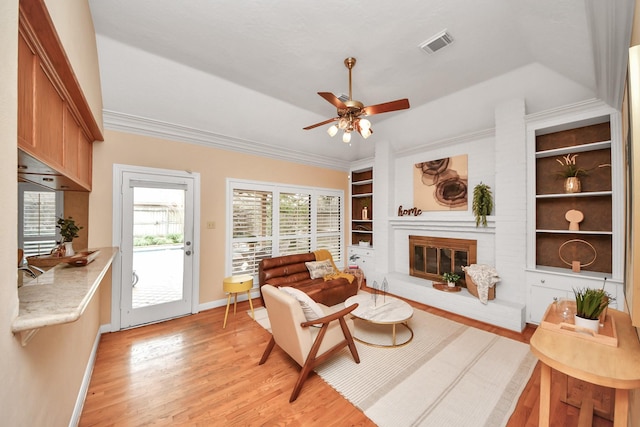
(308, 342)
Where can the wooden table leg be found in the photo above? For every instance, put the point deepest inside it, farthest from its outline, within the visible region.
(621, 411)
(226, 313)
(545, 395)
(251, 305)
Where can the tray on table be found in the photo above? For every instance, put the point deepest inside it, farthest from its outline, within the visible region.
(553, 320)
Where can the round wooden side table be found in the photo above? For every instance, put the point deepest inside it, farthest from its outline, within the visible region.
(234, 285)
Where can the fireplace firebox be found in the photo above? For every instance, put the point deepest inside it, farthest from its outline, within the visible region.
(430, 257)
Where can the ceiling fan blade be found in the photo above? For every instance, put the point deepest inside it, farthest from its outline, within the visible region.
(400, 104)
(321, 123)
(333, 100)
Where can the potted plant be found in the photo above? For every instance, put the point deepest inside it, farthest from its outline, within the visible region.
(450, 278)
(68, 232)
(590, 303)
(482, 203)
(571, 173)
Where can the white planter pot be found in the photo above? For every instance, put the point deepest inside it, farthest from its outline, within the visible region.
(592, 324)
(68, 249)
(451, 284)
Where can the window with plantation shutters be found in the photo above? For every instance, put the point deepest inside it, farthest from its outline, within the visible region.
(268, 220)
(252, 227)
(37, 233)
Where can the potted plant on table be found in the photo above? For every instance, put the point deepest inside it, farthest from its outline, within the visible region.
(590, 303)
(68, 232)
(451, 279)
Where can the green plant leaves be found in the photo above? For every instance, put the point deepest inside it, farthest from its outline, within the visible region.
(482, 203)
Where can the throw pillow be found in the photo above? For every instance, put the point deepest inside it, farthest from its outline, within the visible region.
(319, 269)
(311, 309)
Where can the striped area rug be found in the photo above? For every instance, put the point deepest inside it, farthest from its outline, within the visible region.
(448, 375)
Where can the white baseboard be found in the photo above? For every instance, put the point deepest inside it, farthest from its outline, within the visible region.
(86, 379)
(255, 293)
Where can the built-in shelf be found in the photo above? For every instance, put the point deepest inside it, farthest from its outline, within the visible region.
(604, 233)
(573, 149)
(566, 195)
(361, 197)
(591, 146)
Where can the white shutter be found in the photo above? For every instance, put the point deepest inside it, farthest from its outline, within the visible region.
(252, 230)
(328, 225)
(295, 223)
(39, 222)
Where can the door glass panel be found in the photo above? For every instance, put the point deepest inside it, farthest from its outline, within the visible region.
(158, 246)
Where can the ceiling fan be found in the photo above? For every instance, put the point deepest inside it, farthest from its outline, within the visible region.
(351, 112)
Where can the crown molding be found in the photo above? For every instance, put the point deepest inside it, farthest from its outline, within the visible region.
(122, 122)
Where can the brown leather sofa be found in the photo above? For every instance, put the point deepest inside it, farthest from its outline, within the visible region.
(290, 270)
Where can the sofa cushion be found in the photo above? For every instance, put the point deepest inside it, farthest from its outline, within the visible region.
(319, 269)
(311, 309)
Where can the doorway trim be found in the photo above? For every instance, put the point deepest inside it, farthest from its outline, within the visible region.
(116, 237)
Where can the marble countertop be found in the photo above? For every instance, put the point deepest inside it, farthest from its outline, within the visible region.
(61, 294)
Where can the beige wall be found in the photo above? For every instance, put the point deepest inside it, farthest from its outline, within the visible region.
(39, 382)
(214, 167)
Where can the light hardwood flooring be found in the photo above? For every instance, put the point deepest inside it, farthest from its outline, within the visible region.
(191, 371)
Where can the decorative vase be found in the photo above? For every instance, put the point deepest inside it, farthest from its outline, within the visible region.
(365, 213)
(451, 284)
(591, 324)
(572, 184)
(68, 249)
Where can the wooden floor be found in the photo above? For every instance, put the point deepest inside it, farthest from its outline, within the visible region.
(190, 371)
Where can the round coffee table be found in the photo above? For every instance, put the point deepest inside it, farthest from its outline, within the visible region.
(386, 310)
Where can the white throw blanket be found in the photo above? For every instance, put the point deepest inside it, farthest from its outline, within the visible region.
(484, 276)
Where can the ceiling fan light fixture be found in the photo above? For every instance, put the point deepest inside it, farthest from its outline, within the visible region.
(332, 131)
(364, 124)
(366, 132)
(343, 123)
(346, 137)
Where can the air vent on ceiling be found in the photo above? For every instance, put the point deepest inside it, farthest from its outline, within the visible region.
(437, 42)
(343, 97)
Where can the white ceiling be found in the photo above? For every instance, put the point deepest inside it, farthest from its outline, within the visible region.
(244, 74)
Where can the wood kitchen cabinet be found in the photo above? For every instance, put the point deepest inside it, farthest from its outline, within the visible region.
(56, 128)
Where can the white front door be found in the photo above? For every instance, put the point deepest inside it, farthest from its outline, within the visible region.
(157, 246)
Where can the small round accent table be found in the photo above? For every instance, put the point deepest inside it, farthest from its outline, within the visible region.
(234, 285)
(385, 310)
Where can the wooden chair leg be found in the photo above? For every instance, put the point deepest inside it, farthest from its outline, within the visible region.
(349, 338)
(267, 351)
(309, 363)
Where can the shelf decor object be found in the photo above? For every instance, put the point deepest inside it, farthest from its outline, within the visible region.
(575, 264)
(575, 217)
(572, 185)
